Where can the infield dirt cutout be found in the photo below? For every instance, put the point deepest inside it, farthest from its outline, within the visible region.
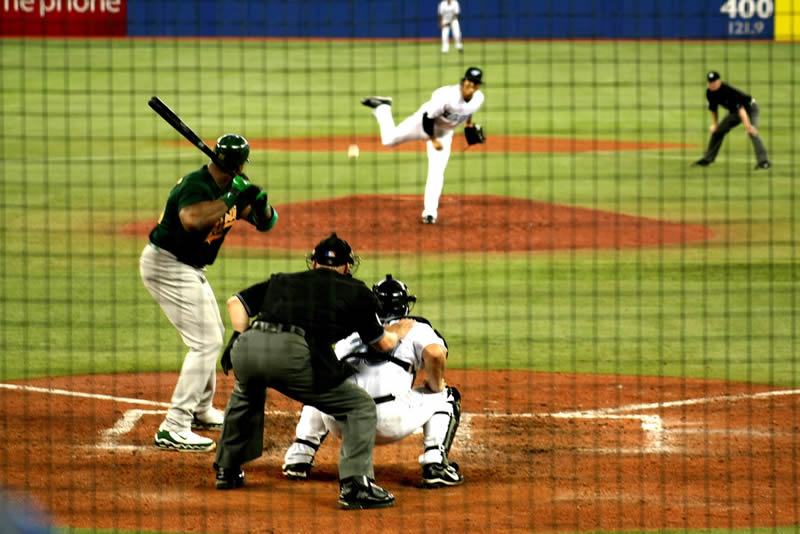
(539, 452)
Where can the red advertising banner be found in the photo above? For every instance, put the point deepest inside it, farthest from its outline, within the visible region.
(53, 18)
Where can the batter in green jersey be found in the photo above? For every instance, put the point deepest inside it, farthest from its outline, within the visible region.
(201, 208)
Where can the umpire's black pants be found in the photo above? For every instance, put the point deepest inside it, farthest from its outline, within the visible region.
(282, 361)
(725, 125)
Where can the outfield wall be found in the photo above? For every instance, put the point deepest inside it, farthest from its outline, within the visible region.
(493, 19)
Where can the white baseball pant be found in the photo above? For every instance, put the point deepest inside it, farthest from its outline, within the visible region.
(396, 420)
(186, 297)
(411, 130)
(446, 36)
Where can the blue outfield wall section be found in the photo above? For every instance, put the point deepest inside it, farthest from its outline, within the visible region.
(490, 19)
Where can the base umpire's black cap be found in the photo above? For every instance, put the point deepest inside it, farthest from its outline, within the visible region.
(474, 74)
(713, 76)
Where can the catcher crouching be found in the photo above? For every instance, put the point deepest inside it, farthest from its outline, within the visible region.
(389, 379)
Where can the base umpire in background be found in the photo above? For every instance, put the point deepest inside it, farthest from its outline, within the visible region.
(742, 109)
(288, 347)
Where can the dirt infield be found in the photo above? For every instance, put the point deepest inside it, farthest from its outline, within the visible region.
(540, 452)
(467, 223)
(496, 143)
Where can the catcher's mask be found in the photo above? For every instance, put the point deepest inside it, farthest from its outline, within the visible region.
(393, 297)
(233, 150)
(333, 252)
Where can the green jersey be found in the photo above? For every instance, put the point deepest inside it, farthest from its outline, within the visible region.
(200, 247)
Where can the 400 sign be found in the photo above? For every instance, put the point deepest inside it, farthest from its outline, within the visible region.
(742, 12)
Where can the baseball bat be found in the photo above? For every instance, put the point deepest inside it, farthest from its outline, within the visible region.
(175, 121)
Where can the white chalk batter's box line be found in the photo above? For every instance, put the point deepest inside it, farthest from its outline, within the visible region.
(656, 432)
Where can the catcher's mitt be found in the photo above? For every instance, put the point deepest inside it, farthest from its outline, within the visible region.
(474, 134)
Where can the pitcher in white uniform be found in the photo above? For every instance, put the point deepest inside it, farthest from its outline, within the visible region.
(449, 10)
(434, 121)
(401, 409)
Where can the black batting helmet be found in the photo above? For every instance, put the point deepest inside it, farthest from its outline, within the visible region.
(393, 297)
(232, 150)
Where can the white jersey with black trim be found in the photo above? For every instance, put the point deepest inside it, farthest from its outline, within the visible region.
(449, 11)
(449, 109)
(385, 377)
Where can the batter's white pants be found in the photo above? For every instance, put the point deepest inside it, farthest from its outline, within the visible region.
(411, 130)
(446, 36)
(396, 419)
(186, 297)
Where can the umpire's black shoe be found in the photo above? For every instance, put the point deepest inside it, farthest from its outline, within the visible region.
(361, 493)
(229, 478)
(375, 101)
(702, 162)
(441, 474)
(763, 165)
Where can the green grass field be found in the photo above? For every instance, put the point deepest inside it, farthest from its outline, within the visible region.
(83, 155)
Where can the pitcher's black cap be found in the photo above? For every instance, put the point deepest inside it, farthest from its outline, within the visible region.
(474, 74)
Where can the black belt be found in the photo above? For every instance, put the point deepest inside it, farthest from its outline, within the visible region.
(384, 398)
(278, 327)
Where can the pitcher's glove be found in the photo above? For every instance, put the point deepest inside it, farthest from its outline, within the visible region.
(474, 134)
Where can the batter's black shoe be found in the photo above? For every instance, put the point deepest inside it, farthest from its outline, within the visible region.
(429, 219)
(702, 162)
(375, 101)
(229, 478)
(441, 474)
(299, 471)
(763, 165)
(361, 493)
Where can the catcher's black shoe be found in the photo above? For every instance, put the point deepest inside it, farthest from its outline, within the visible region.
(361, 493)
(441, 474)
(299, 471)
(229, 478)
(702, 162)
(763, 165)
(375, 101)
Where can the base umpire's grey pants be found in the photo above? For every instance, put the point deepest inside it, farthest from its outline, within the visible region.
(725, 125)
(282, 361)
(188, 301)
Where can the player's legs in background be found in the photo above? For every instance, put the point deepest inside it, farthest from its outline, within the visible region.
(391, 135)
(457, 35)
(189, 303)
(437, 163)
(445, 38)
(758, 144)
(715, 143)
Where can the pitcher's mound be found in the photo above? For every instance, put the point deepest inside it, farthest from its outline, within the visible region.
(466, 223)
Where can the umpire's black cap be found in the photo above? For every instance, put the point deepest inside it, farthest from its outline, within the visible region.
(474, 74)
(713, 76)
(333, 252)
